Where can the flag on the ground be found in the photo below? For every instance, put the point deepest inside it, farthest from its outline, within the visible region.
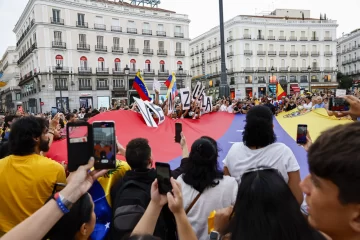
(139, 85)
(279, 92)
(171, 85)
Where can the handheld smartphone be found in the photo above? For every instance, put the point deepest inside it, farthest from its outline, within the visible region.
(178, 130)
(79, 144)
(338, 104)
(104, 147)
(163, 175)
(54, 111)
(301, 134)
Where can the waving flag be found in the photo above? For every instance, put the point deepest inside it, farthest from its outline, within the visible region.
(279, 92)
(139, 85)
(171, 85)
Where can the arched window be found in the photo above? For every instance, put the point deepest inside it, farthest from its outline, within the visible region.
(303, 64)
(247, 64)
(133, 64)
(101, 63)
(117, 62)
(148, 65)
(283, 63)
(59, 60)
(83, 62)
(162, 66)
(179, 64)
(293, 63)
(314, 64)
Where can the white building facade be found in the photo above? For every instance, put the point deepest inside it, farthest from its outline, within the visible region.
(74, 53)
(263, 50)
(349, 55)
(10, 92)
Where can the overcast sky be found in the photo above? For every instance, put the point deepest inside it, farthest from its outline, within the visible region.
(204, 13)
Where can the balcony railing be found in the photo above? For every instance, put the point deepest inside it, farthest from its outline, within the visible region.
(82, 24)
(58, 21)
(83, 46)
(315, 53)
(86, 88)
(61, 87)
(178, 35)
(328, 69)
(314, 39)
(261, 69)
(304, 54)
(149, 71)
(314, 80)
(271, 37)
(248, 52)
(260, 37)
(292, 38)
(208, 47)
(100, 48)
(214, 45)
(147, 51)
(102, 86)
(192, 66)
(197, 52)
(328, 54)
(85, 70)
(303, 38)
(118, 86)
(282, 38)
(283, 53)
(131, 30)
(163, 72)
(116, 29)
(61, 70)
(180, 53)
(261, 53)
(229, 39)
(294, 54)
(162, 52)
(248, 69)
(304, 69)
(117, 49)
(192, 54)
(117, 71)
(56, 44)
(247, 36)
(146, 32)
(102, 71)
(294, 69)
(27, 30)
(315, 69)
(283, 69)
(272, 53)
(161, 33)
(99, 26)
(27, 53)
(327, 38)
(133, 50)
(230, 54)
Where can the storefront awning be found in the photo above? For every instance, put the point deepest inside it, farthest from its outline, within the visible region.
(295, 88)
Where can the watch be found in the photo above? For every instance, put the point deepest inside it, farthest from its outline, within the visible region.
(214, 235)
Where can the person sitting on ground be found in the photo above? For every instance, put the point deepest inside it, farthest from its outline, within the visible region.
(26, 177)
(259, 148)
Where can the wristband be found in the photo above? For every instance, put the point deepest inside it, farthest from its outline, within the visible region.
(63, 204)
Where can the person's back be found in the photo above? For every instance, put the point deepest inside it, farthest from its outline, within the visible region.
(26, 178)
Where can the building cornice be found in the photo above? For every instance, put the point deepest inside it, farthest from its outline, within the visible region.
(349, 38)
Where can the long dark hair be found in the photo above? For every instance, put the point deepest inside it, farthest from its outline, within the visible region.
(202, 170)
(258, 131)
(265, 208)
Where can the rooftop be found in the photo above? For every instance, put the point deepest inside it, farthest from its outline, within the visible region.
(125, 4)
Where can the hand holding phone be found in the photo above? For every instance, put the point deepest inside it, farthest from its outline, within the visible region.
(301, 134)
(178, 130)
(163, 175)
(104, 145)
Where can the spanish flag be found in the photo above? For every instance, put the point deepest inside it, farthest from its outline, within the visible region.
(279, 92)
(139, 85)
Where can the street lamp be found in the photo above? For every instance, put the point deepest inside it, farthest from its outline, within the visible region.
(224, 86)
(58, 70)
(309, 70)
(127, 72)
(181, 71)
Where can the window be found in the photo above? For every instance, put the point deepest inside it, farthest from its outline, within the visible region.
(282, 63)
(133, 64)
(178, 47)
(314, 48)
(131, 24)
(132, 43)
(327, 48)
(314, 34)
(61, 83)
(209, 55)
(56, 15)
(117, 64)
(84, 82)
(193, 61)
(327, 63)
(247, 64)
(246, 31)
(101, 63)
(102, 83)
(81, 19)
(215, 40)
(161, 45)
(260, 47)
(210, 70)
(82, 38)
(59, 60)
(293, 63)
(146, 26)
(293, 48)
(146, 44)
(116, 42)
(160, 27)
(99, 20)
(57, 37)
(247, 46)
(327, 33)
(115, 22)
(282, 47)
(303, 48)
(230, 33)
(197, 60)
(148, 65)
(271, 47)
(292, 33)
(197, 48)
(303, 64)
(178, 29)
(261, 62)
(302, 33)
(100, 41)
(314, 64)
(162, 65)
(281, 33)
(271, 62)
(271, 33)
(215, 54)
(118, 83)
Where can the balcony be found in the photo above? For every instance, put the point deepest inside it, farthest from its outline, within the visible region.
(162, 52)
(116, 29)
(247, 36)
(102, 71)
(82, 24)
(208, 47)
(314, 39)
(118, 71)
(283, 69)
(146, 32)
(148, 51)
(315, 54)
(192, 66)
(117, 49)
(178, 35)
(303, 38)
(180, 53)
(61, 45)
(27, 53)
(230, 54)
(248, 69)
(230, 70)
(292, 38)
(61, 70)
(271, 53)
(304, 54)
(27, 30)
(209, 60)
(304, 69)
(271, 37)
(328, 54)
(26, 77)
(61, 87)
(133, 50)
(117, 86)
(314, 80)
(84, 71)
(260, 37)
(248, 52)
(149, 71)
(131, 30)
(261, 69)
(161, 33)
(214, 45)
(294, 54)
(99, 26)
(58, 21)
(328, 69)
(283, 53)
(197, 52)
(282, 38)
(229, 39)
(84, 88)
(261, 53)
(100, 48)
(315, 69)
(102, 86)
(327, 38)
(294, 69)
(192, 54)
(84, 47)
(163, 72)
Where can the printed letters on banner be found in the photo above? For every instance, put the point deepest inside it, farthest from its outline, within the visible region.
(185, 98)
(198, 90)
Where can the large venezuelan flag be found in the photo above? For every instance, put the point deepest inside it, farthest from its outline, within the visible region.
(279, 92)
(171, 85)
(139, 85)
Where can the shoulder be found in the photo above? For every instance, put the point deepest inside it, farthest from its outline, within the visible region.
(228, 180)
(237, 146)
(278, 146)
(48, 163)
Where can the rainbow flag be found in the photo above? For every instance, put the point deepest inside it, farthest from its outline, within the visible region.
(171, 85)
(139, 85)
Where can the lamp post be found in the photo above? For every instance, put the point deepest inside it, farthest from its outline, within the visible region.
(58, 70)
(127, 72)
(181, 71)
(224, 86)
(309, 70)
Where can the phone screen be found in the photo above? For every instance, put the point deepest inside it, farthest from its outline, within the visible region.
(178, 130)
(301, 134)
(54, 111)
(163, 177)
(104, 145)
(338, 104)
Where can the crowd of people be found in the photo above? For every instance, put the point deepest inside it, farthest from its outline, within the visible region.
(257, 195)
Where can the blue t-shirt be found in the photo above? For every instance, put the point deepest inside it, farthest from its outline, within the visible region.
(321, 105)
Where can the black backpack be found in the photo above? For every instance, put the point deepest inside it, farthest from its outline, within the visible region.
(130, 204)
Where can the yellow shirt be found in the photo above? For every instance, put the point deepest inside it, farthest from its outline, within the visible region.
(26, 182)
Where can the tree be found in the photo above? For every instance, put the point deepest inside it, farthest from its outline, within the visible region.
(345, 82)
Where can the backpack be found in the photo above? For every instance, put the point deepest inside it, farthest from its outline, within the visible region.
(130, 204)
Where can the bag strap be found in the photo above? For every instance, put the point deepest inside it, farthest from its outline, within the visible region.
(192, 203)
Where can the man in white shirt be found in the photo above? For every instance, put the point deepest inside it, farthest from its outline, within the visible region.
(308, 104)
(224, 107)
